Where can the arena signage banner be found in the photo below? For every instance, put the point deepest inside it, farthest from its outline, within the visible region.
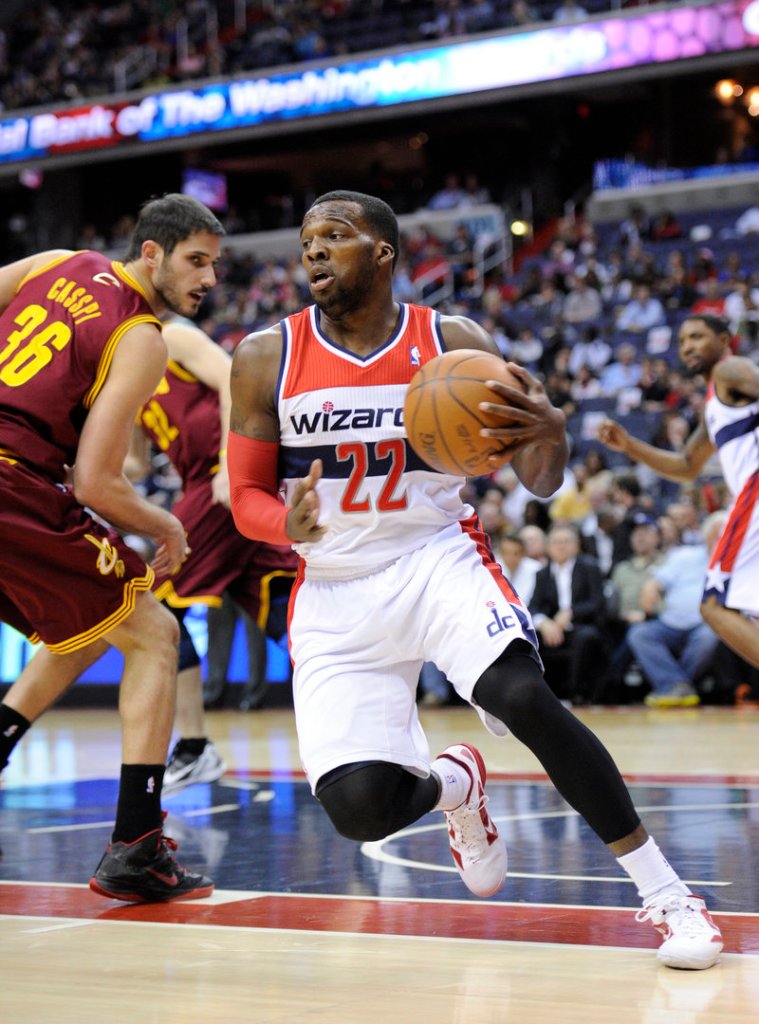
(488, 65)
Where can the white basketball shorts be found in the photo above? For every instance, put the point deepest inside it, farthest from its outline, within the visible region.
(734, 565)
(358, 647)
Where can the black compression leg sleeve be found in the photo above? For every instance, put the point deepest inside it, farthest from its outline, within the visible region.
(513, 689)
(372, 800)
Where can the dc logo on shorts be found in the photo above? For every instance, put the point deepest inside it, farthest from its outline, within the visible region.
(500, 623)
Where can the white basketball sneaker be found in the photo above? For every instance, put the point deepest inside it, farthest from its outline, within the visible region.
(184, 768)
(692, 941)
(479, 854)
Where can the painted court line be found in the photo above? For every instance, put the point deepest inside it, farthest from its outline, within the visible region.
(591, 926)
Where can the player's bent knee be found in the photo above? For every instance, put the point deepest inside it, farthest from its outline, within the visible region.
(162, 629)
(359, 800)
(349, 826)
(150, 627)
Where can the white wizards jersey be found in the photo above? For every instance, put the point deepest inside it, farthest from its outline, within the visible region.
(379, 500)
(734, 430)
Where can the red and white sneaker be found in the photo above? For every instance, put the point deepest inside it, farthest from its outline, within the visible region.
(692, 941)
(479, 854)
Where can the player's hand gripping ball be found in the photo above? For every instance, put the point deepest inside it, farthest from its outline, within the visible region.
(442, 415)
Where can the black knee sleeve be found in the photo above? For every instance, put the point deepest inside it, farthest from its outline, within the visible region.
(513, 689)
(370, 800)
(187, 655)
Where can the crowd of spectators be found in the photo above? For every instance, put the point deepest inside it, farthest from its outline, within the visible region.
(70, 49)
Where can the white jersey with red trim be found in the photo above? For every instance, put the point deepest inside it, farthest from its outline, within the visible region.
(734, 430)
(734, 564)
(379, 500)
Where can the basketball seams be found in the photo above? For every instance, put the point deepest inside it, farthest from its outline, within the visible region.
(466, 411)
(442, 416)
(450, 381)
(440, 430)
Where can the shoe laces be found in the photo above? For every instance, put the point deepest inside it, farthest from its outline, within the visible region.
(180, 757)
(680, 911)
(165, 841)
(163, 859)
(468, 823)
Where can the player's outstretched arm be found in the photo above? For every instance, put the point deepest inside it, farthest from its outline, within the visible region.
(681, 466)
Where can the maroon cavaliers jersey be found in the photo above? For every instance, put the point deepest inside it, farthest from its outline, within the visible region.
(182, 419)
(58, 337)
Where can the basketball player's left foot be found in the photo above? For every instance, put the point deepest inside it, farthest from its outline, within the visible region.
(692, 941)
(144, 871)
(477, 850)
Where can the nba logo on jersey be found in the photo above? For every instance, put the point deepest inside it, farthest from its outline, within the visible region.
(416, 358)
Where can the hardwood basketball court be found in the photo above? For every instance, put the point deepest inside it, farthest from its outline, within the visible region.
(307, 926)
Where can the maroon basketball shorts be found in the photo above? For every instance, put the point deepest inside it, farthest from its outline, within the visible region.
(221, 559)
(64, 579)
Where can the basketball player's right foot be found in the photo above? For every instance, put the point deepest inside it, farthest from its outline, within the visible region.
(692, 941)
(144, 871)
(478, 852)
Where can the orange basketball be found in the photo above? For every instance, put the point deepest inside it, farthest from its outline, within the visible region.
(442, 415)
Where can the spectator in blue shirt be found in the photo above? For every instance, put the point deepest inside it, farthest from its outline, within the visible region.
(624, 372)
(642, 312)
(675, 647)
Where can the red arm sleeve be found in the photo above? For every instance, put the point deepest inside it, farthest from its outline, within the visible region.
(258, 511)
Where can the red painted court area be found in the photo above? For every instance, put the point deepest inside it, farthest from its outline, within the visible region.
(497, 921)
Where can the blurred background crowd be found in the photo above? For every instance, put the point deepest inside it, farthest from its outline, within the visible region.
(69, 50)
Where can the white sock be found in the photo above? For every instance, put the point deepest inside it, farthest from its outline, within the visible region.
(651, 871)
(455, 783)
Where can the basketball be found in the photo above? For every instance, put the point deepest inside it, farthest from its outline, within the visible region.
(442, 415)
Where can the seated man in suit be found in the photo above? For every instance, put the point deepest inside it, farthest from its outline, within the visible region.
(567, 608)
(519, 568)
(623, 605)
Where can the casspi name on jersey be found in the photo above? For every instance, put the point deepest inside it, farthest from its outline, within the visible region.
(74, 297)
(329, 419)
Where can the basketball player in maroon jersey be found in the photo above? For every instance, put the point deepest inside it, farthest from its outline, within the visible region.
(80, 353)
(188, 419)
(396, 571)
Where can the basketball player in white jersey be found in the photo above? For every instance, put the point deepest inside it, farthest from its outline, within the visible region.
(729, 426)
(395, 570)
